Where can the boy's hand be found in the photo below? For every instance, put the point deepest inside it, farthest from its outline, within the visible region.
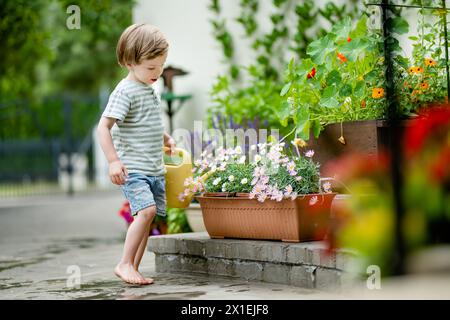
(117, 172)
(170, 143)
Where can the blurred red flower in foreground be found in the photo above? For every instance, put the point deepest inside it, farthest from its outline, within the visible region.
(429, 123)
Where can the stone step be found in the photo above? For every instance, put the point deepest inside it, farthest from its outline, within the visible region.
(305, 264)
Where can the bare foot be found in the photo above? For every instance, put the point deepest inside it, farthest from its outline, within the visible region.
(127, 273)
(147, 280)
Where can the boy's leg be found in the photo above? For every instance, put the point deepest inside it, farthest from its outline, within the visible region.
(125, 269)
(141, 250)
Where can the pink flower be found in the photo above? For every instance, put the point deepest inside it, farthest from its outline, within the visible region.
(264, 179)
(277, 195)
(313, 201)
(288, 190)
(309, 153)
(290, 166)
(261, 197)
(327, 187)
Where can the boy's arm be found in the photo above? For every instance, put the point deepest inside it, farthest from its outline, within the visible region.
(117, 171)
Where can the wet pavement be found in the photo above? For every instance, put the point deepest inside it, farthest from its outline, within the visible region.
(47, 242)
(65, 248)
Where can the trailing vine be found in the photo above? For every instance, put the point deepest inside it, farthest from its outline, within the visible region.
(224, 37)
(269, 47)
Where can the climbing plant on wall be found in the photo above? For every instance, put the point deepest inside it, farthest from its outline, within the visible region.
(293, 26)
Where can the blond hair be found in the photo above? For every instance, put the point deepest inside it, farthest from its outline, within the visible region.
(139, 42)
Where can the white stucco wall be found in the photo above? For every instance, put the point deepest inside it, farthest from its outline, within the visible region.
(193, 48)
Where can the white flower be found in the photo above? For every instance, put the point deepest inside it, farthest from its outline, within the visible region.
(231, 178)
(253, 147)
(299, 178)
(238, 150)
(242, 160)
(347, 103)
(257, 158)
(224, 187)
(244, 181)
(216, 181)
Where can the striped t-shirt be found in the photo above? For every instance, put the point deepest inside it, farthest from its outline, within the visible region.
(139, 132)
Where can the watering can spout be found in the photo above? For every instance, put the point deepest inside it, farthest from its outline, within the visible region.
(176, 173)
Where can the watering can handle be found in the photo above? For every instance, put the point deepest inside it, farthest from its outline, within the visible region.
(185, 155)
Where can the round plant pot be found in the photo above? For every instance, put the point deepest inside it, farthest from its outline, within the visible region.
(195, 218)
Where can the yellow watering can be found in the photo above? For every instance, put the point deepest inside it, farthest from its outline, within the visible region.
(178, 169)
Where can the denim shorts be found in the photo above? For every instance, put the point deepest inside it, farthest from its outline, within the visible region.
(144, 191)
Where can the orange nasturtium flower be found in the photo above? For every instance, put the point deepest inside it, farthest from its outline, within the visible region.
(416, 92)
(341, 57)
(424, 85)
(415, 69)
(430, 62)
(377, 93)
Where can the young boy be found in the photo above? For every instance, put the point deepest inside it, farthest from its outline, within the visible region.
(131, 134)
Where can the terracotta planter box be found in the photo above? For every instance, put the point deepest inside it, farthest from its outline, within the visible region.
(368, 137)
(287, 220)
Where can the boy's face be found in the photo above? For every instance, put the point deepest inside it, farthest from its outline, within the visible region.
(148, 71)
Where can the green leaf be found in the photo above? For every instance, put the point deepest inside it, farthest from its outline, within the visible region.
(302, 115)
(307, 96)
(402, 61)
(398, 25)
(393, 44)
(304, 68)
(334, 77)
(319, 49)
(283, 113)
(328, 99)
(345, 91)
(316, 128)
(301, 120)
(359, 89)
(360, 30)
(353, 49)
(303, 129)
(371, 76)
(342, 28)
(285, 89)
